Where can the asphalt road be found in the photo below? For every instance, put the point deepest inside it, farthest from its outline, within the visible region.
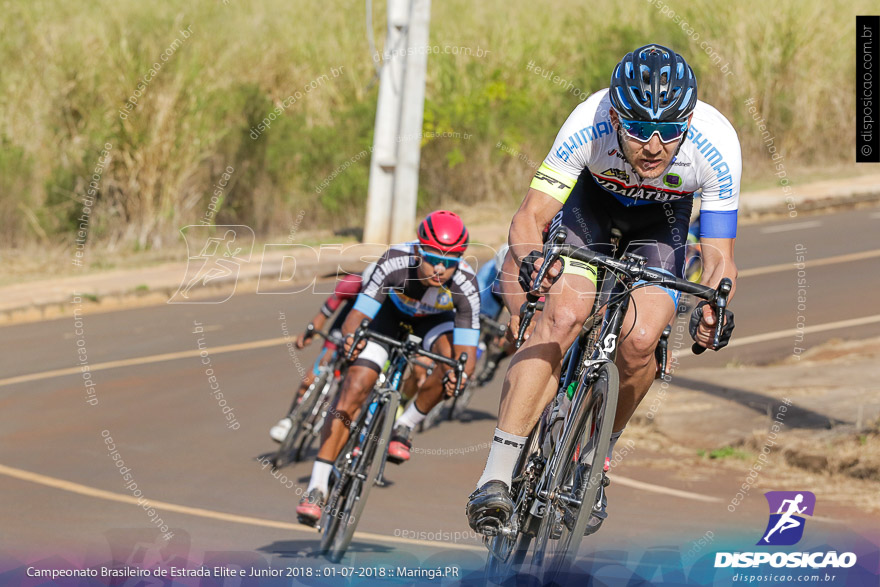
(63, 495)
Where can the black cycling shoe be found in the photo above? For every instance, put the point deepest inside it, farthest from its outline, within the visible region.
(599, 514)
(489, 507)
(400, 445)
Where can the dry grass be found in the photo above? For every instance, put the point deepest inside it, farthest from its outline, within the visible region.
(70, 66)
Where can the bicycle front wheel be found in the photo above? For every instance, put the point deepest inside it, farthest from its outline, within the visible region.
(576, 474)
(351, 504)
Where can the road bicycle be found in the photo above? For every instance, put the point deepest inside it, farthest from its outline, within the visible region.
(557, 480)
(307, 414)
(361, 463)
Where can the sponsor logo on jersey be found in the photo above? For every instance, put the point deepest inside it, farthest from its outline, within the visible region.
(551, 180)
(640, 192)
(715, 160)
(582, 137)
(672, 180)
(618, 173)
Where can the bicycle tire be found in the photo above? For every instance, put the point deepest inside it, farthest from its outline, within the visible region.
(316, 419)
(460, 404)
(284, 455)
(341, 470)
(568, 468)
(359, 489)
(506, 553)
(433, 416)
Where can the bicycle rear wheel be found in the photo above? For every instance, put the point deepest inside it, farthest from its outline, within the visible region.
(315, 420)
(285, 455)
(506, 553)
(353, 498)
(575, 478)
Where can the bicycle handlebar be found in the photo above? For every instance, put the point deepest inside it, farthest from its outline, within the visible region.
(494, 327)
(634, 267)
(312, 331)
(410, 349)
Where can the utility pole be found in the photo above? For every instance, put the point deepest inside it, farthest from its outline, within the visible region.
(409, 147)
(394, 166)
(383, 163)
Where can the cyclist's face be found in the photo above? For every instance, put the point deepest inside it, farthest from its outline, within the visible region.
(436, 274)
(649, 159)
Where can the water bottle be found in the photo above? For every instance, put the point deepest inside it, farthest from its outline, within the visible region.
(481, 348)
(370, 411)
(556, 419)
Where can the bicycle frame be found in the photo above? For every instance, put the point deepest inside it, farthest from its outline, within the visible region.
(586, 362)
(358, 470)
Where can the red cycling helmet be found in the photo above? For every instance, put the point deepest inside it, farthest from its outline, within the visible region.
(445, 231)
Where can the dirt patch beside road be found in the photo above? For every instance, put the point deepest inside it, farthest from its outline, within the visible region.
(811, 423)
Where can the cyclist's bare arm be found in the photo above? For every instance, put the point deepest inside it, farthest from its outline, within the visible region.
(526, 228)
(511, 292)
(718, 261)
(468, 367)
(471, 357)
(535, 212)
(352, 321)
(318, 322)
(717, 264)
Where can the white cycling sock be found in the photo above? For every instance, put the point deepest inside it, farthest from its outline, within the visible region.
(615, 436)
(320, 476)
(503, 454)
(411, 417)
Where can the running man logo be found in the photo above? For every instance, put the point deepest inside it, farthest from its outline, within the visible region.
(221, 251)
(786, 526)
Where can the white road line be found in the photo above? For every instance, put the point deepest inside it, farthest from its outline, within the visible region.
(847, 258)
(791, 226)
(278, 341)
(664, 490)
(791, 332)
(210, 514)
(87, 491)
(230, 348)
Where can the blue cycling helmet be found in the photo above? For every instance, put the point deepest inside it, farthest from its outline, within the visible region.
(653, 83)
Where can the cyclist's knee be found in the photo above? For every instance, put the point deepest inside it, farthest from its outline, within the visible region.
(355, 389)
(637, 349)
(562, 320)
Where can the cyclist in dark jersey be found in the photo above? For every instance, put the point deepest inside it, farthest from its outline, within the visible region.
(426, 285)
(630, 157)
(342, 299)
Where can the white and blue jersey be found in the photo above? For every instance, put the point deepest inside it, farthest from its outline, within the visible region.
(709, 161)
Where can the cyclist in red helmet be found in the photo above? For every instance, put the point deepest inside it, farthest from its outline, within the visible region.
(426, 285)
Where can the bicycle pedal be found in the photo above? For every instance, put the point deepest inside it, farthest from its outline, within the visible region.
(489, 526)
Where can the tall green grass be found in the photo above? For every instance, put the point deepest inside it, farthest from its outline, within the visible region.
(69, 67)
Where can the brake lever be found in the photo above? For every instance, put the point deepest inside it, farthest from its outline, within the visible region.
(459, 372)
(358, 335)
(552, 250)
(722, 293)
(526, 312)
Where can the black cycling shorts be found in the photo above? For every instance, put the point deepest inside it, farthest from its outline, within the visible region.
(389, 321)
(656, 231)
